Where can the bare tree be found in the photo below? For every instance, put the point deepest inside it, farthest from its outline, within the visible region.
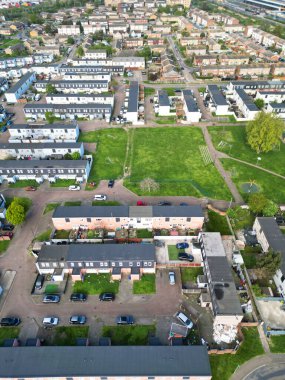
(149, 184)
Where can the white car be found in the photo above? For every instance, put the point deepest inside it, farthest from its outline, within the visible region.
(50, 321)
(171, 276)
(184, 319)
(74, 188)
(100, 197)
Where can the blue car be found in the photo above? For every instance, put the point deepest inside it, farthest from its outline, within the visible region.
(182, 245)
(3, 129)
(9, 122)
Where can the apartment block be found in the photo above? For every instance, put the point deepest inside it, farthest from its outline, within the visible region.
(15, 92)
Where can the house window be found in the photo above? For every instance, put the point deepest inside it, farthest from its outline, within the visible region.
(120, 264)
(185, 377)
(167, 219)
(91, 264)
(188, 219)
(130, 264)
(118, 219)
(282, 278)
(145, 264)
(113, 264)
(67, 220)
(88, 220)
(151, 378)
(72, 265)
(150, 264)
(101, 264)
(54, 265)
(138, 264)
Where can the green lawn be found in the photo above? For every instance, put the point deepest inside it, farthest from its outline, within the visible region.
(223, 366)
(136, 335)
(4, 244)
(72, 203)
(24, 183)
(235, 137)
(96, 284)
(61, 234)
(144, 234)
(67, 335)
(110, 153)
(217, 223)
(8, 333)
(173, 252)
(44, 236)
(272, 187)
(146, 285)
(249, 255)
(63, 183)
(170, 91)
(51, 289)
(277, 344)
(106, 203)
(165, 120)
(50, 207)
(148, 91)
(190, 274)
(171, 156)
(9, 42)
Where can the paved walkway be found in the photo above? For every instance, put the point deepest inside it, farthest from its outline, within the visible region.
(265, 363)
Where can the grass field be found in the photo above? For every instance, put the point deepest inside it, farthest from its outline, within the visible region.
(223, 366)
(96, 284)
(237, 147)
(9, 42)
(63, 183)
(173, 252)
(190, 274)
(146, 285)
(51, 289)
(44, 236)
(24, 183)
(148, 91)
(67, 335)
(8, 333)
(217, 223)
(110, 153)
(50, 207)
(171, 156)
(136, 335)
(277, 344)
(105, 203)
(4, 244)
(272, 186)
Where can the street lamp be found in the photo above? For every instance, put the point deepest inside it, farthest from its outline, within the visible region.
(258, 159)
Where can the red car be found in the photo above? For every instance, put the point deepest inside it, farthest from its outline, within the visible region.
(141, 203)
(31, 188)
(7, 233)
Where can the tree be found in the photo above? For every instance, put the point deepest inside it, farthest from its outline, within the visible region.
(264, 132)
(79, 52)
(15, 213)
(50, 118)
(240, 217)
(70, 40)
(80, 27)
(76, 156)
(270, 262)
(259, 103)
(67, 156)
(149, 184)
(257, 203)
(203, 35)
(50, 89)
(270, 209)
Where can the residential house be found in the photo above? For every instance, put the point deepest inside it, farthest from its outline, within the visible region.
(80, 99)
(191, 110)
(95, 54)
(220, 104)
(15, 92)
(70, 86)
(69, 30)
(277, 108)
(130, 62)
(270, 237)
(125, 217)
(133, 103)
(112, 69)
(163, 103)
(245, 104)
(133, 43)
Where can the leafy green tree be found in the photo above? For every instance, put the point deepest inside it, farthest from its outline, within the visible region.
(240, 217)
(70, 40)
(76, 156)
(50, 89)
(50, 118)
(270, 209)
(270, 262)
(257, 203)
(15, 213)
(264, 132)
(80, 26)
(80, 52)
(259, 103)
(67, 156)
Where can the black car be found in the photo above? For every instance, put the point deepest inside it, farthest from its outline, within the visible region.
(185, 257)
(107, 297)
(78, 297)
(51, 298)
(8, 227)
(125, 320)
(164, 203)
(111, 183)
(183, 204)
(10, 321)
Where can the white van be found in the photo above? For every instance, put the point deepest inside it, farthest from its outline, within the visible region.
(184, 319)
(100, 197)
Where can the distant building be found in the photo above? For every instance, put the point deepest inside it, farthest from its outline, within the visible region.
(191, 110)
(14, 93)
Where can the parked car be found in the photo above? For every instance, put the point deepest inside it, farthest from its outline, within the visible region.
(37, 97)
(78, 297)
(74, 188)
(100, 197)
(184, 319)
(141, 203)
(171, 276)
(164, 203)
(182, 245)
(10, 321)
(111, 183)
(8, 227)
(125, 320)
(107, 297)
(185, 257)
(77, 320)
(50, 321)
(183, 204)
(9, 122)
(30, 188)
(7, 233)
(51, 298)
(39, 281)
